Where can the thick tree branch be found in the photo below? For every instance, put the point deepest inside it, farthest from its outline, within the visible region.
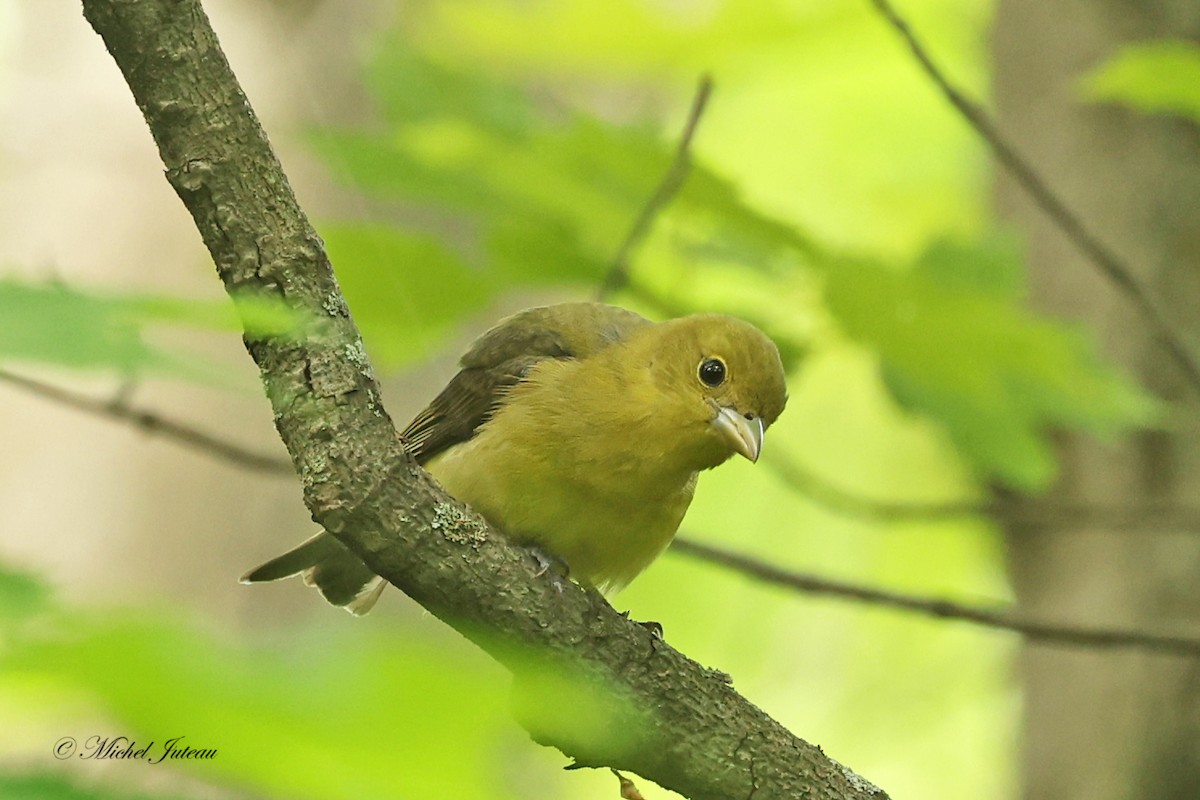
(664, 716)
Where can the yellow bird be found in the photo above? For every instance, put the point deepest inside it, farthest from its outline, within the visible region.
(579, 429)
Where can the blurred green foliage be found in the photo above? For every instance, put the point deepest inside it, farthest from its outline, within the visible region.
(1160, 77)
(52, 786)
(549, 193)
(544, 195)
(956, 343)
(348, 712)
(50, 323)
(834, 200)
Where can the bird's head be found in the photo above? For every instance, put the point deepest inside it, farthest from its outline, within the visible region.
(721, 383)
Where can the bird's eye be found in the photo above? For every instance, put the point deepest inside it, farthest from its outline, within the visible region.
(712, 372)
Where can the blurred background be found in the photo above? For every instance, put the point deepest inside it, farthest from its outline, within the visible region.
(976, 413)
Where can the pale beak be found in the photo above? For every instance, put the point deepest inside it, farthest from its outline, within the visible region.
(743, 435)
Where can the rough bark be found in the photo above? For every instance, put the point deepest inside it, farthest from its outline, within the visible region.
(1098, 725)
(650, 709)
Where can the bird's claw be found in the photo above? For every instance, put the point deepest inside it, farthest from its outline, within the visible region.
(655, 628)
(548, 562)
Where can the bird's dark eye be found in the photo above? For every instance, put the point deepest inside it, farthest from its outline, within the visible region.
(712, 372)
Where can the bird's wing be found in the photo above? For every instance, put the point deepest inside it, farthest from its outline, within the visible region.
(502, 357)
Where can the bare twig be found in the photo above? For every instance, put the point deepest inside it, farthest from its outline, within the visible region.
(150, 422)
(618, 274)
(1109, 263)
(998, 619)
(816, 488)
(1056, 516)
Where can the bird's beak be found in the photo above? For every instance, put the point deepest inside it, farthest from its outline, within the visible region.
(744, 435)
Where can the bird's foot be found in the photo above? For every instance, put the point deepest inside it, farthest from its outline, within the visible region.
(556, 566)
(655, 628)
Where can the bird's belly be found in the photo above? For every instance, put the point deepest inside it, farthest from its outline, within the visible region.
(606, 537)
(605, 542)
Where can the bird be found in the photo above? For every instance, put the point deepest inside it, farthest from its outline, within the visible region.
(579, 430)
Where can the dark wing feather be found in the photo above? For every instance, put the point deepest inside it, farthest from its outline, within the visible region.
(502, 357)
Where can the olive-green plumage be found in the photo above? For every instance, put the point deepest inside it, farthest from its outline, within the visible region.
(579, 428)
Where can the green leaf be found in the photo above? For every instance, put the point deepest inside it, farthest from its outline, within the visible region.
(550, 196)
(736, 230)
(404, 290)
(411, 88)
(965, 352)
(54, 324)
(51, 323)
(254, 315)
(391, 167)
(1153, 77)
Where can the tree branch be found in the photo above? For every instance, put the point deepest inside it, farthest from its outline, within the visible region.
(1148, 517)
(997, 619)
(664, 716)
(1077, 232)
(150, 422)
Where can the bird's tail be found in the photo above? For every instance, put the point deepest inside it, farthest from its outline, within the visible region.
(325, 563)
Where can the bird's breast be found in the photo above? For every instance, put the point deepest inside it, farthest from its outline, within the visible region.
(605, 512)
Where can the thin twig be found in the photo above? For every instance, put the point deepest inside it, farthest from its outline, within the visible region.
(618, 275)
(153, 423)
(824, 493)
(998, 619)
(1059, 516)
(1109, 263)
